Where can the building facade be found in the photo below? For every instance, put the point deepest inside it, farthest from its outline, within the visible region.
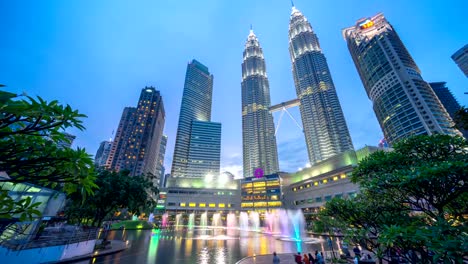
(102, 153)
(258, 131)
(403, 102)
(448, 100)
(325, 128)
(261, 193)
(194, 125)
(67, 141)
(162, 153)
(121, 138)
(461, 59)
(205, 149)
(138, 138)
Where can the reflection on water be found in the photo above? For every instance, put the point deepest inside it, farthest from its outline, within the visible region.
(201, 246)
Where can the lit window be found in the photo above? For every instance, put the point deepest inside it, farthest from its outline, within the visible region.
(342, 176)
(335, 178)
(315, 183)
(324, 181)
(192, 204)
(221, 205)
(182, 204)
(274, 197)
(202, 204)
(212, 205)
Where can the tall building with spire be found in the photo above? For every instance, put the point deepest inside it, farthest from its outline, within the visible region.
(325, 128)
(197, 150)
(258, 132)
(403, 102)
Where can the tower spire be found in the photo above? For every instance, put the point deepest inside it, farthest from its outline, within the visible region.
(292, 3)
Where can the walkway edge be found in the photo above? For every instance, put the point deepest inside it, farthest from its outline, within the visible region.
(123, 246)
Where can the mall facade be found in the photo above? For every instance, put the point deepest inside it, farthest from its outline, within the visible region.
(307, 189)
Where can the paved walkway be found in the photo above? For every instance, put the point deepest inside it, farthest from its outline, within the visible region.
(115, 246)
(285, 258)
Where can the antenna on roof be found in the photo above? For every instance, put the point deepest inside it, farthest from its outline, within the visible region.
(292, 3)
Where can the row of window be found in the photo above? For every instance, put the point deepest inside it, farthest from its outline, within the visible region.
(320, 199)
(202, 205)
(261, 204)
(323, 181)
(201, 192)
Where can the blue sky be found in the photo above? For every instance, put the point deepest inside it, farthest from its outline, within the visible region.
(98, 55)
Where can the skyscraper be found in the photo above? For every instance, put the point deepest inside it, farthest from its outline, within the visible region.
(325, 128)
(205, 149)
(102, 153)
(404, 103)
(461, 59)
(448, 100)
(137, 142)
(162, 153)
(258, 132)
(67, 142)
(121, 138)
(188, 161)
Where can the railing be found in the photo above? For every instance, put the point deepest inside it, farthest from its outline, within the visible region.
(48, 239)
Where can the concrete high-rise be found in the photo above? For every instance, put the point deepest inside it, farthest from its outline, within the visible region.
(325, 128)
(121, 138)
(403, 102)
(448, 100)
(188, 160)
(67, 141)
(461, 59)
(258, 132)
(138, 138)
(162, 153)
(102, 153)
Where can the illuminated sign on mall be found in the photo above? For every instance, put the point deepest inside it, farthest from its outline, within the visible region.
(366, 24)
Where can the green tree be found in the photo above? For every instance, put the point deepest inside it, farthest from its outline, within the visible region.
(461, 119)
(30, 130)
(413, 199)
(116, 191)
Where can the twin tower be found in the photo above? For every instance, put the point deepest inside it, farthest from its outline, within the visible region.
(325, 129)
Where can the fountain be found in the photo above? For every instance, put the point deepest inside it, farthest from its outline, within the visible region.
(151, 218)
(134, 217)
(217, 221)
(164, 221)
(191, 221)
(204, 220)
(179, 220)
(254, 221)
(244, 221)
(231, 221)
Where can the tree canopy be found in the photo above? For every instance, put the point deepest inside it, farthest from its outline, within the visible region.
(413, 199)
(30, 132)
(117, 190)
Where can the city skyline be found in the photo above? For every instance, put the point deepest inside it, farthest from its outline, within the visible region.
(55, 55)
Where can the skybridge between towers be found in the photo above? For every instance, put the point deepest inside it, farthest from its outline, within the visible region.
(283, 107)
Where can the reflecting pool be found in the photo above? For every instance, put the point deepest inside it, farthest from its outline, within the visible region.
(203, 245)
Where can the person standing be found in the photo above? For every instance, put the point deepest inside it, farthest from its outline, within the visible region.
(276, 259)
(298, 258)
(311, 259)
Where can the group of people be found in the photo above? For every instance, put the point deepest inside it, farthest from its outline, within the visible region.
(306, 259)
(309, 259)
